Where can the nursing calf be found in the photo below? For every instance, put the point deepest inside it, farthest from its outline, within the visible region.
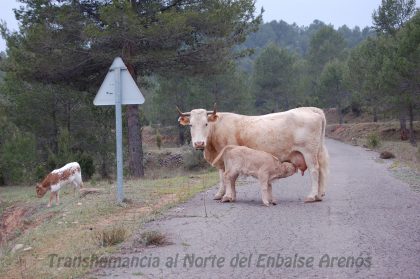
(259, 164)
(53, 182)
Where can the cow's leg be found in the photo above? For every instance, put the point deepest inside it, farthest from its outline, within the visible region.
(323, 159)
(229, 181)
(313, 166)
(222, 187)
(270, 194)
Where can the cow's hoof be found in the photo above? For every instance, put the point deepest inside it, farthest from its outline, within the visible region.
(309, 199)
(217, 197)
(312, 199)
(48, 205)
(317, 198)
(323, 194)
(266, 204)
(273, 202)
(227, 199)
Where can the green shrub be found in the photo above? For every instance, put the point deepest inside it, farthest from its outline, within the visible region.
(373, 140)
(40, 172)
(87, 166)
(193, 159)
(18, 157)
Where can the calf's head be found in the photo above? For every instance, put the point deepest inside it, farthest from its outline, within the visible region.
(199, 120)
(285, 169)
(40, 191)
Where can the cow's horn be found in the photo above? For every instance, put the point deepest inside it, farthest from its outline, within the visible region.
(182, 113)
(214, 110)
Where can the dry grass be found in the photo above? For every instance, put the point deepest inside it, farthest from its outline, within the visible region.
(110, 236)
(149, 238)
(74, 226)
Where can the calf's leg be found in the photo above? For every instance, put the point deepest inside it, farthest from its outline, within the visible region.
(57, 198)
(229, 181)
(222, 187)
(264, 184)
(270, 194)
(51, 198)
(264, 194)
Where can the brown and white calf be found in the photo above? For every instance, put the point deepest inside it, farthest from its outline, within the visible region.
(259, 164)
(69, 174)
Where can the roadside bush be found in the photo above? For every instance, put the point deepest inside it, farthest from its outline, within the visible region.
(40, 173)
(193, 159)
(373, 140)
(87, 166)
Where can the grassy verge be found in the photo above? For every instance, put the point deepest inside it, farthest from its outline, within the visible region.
(72, 228)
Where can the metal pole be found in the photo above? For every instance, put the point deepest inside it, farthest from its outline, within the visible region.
(118, 126)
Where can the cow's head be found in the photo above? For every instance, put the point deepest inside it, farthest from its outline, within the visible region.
(199, 120)
(40, 191)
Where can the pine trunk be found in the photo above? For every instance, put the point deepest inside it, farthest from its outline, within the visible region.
(375, 114)
(339, 111)
(135, 148)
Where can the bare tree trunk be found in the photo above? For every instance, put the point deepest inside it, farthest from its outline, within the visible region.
(411, 116)
(403, 125)
(375, 114)
(135, 147)
(340, 114)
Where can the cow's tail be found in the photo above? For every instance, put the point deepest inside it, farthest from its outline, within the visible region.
(220, 155)
(323, 157)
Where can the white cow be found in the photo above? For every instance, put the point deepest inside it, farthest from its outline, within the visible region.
(280, 134)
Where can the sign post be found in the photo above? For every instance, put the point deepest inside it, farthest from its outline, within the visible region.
(118, 89)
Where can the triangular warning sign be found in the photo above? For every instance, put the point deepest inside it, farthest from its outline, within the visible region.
(130, 93)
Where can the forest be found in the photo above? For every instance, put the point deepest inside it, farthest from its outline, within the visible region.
(190, 54)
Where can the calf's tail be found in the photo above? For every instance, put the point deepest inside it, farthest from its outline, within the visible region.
(220, 155)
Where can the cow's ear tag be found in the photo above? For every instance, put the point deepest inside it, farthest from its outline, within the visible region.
(184, 120)
(212, 117)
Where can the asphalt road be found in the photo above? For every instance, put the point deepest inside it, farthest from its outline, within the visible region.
(368, 226)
